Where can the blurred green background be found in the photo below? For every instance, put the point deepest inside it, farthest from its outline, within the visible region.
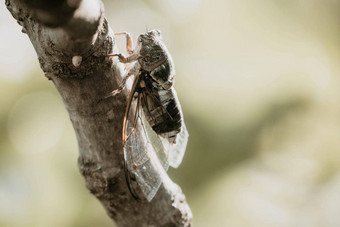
(259, 86)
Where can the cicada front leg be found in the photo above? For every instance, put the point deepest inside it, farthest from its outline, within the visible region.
(129, 49)
(132, 71)
(129, 43)
(126, 59)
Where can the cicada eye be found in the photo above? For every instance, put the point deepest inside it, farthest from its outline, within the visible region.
(141, 37)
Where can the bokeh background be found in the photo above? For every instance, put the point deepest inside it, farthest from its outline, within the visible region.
(259, 86)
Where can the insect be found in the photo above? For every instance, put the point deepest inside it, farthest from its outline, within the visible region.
(154, 133)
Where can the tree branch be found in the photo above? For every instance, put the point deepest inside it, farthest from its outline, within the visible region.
(71, 39)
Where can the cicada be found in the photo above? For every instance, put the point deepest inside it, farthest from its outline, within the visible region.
(154, 134)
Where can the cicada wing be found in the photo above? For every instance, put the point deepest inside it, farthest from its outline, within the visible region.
(177, 150)
(154, 139)
(175, 147)
(157, 106)
(141, 151)
(153, 113)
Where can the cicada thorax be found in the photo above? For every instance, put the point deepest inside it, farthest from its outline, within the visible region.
(161, 110)
(164, 75)
(155, 59)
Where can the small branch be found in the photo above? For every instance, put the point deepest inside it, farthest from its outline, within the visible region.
(65, 31)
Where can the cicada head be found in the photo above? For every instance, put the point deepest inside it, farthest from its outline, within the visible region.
(148, 36)
(149, 42)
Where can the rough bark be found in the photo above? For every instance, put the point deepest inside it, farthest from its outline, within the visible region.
(60, 30)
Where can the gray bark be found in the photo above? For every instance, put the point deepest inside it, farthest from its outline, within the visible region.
(58, 31)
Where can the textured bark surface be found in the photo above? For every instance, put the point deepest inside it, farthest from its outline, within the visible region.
(58, 31)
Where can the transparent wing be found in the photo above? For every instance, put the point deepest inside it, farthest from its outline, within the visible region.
(155, 140)
(155, 113)
(143, 152)
(177, 150)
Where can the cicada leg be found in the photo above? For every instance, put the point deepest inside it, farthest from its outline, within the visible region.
(132, 57)
(129, 49)
(132, 71)
(128, 41)
(121, 86)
